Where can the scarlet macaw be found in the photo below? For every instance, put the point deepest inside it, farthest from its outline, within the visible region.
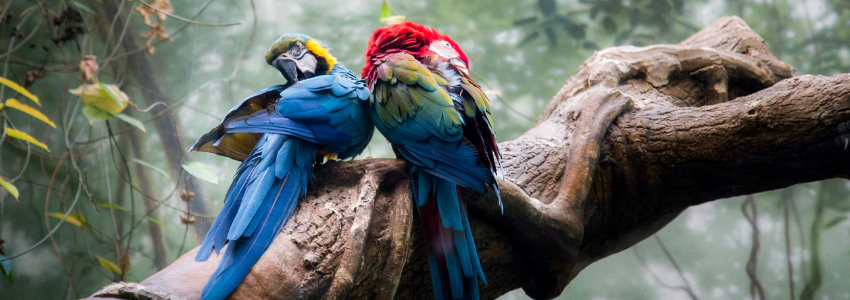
(437, 119)
(278, 133)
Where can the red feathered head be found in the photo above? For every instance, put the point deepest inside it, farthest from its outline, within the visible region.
(414, 39)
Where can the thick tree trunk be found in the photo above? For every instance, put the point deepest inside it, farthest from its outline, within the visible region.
(634, 138)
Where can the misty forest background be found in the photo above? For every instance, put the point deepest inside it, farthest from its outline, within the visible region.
(125, 189)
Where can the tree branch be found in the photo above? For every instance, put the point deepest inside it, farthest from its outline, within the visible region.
(631, 140)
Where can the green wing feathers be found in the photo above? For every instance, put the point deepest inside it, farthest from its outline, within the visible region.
(407, 90)
(474, 100)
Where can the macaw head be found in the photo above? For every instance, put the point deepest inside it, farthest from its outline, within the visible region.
(416, 40)
(298, 56)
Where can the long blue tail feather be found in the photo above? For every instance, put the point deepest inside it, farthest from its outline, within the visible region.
(454, 263)
(257, 207)
(216, 237)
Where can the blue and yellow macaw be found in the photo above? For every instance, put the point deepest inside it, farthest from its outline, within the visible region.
(438, 119)
(278, 133)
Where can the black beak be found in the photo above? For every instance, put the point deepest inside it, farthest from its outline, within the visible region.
(287, 68)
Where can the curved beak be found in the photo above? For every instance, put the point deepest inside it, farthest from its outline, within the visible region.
(293, 69)
(460, 65)
(287, 68)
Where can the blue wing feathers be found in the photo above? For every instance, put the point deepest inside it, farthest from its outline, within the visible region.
(216, 237)
(268, 202)
(323, 112)
(321, 109)
(283, 159)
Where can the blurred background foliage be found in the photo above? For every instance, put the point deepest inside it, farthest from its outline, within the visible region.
(126, 191)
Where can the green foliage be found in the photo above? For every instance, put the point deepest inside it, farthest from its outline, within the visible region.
(386, 15)
(151, 166)
(109, 265)
(201, 171)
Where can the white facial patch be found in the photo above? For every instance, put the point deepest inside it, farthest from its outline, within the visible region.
(444, 49)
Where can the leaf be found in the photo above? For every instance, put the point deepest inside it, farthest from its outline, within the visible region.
(201, 171)
(14, 103)
(834, 222)
(106, 264)
(111, 206)
(74, 218)
(26, 137)
(609, 24)
(576, 31)
(530, 37)
(589, 46)
(386, 10)
(112, 94)
(550, 34)
(679, 5)
(387, 16)
(132, 121)
(6, 268)
(20, 90)
(106, 97)
(594, 11)
(10, 187)
(88, 67)
(524, 21)
(82, 7)
(547, 7)
(393, 19)
(157, 222)
(93, 114)
(146, 164)
(622, 37)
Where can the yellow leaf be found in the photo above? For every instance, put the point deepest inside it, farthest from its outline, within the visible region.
(13, 103)
(106, 97)
(106, 264)
(26, 137)
(9, 187)
(19, 89)
(75, 218)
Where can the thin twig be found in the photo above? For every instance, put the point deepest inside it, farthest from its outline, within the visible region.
(810, 289)
(787, 195)
(190, 20)
(813, 38)
(756, 288)
(52, 231)
(65, 266)
(112, 27)
(687, 288)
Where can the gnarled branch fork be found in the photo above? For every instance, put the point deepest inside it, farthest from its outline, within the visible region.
(634, 138)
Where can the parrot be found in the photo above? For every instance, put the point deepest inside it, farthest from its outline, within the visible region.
(439, 120)
(279, 133)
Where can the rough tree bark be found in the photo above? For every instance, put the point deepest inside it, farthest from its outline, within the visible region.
(630, 141)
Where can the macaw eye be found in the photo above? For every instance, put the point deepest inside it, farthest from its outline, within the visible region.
(297, 48)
